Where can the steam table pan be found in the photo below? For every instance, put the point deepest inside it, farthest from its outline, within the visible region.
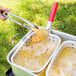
(65, 44)
(53, 38)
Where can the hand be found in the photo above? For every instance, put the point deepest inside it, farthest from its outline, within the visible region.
(1, 11)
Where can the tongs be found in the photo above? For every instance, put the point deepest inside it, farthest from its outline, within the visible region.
(29, 23)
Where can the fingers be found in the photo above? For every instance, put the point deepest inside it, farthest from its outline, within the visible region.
(1, 11)
(4, 9)
(2, 18)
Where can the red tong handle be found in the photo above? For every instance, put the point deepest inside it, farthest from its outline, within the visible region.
(53, 12)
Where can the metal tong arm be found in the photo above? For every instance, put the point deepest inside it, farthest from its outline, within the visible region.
(29, 23)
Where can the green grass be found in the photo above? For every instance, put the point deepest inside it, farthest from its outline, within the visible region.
(35, 11)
